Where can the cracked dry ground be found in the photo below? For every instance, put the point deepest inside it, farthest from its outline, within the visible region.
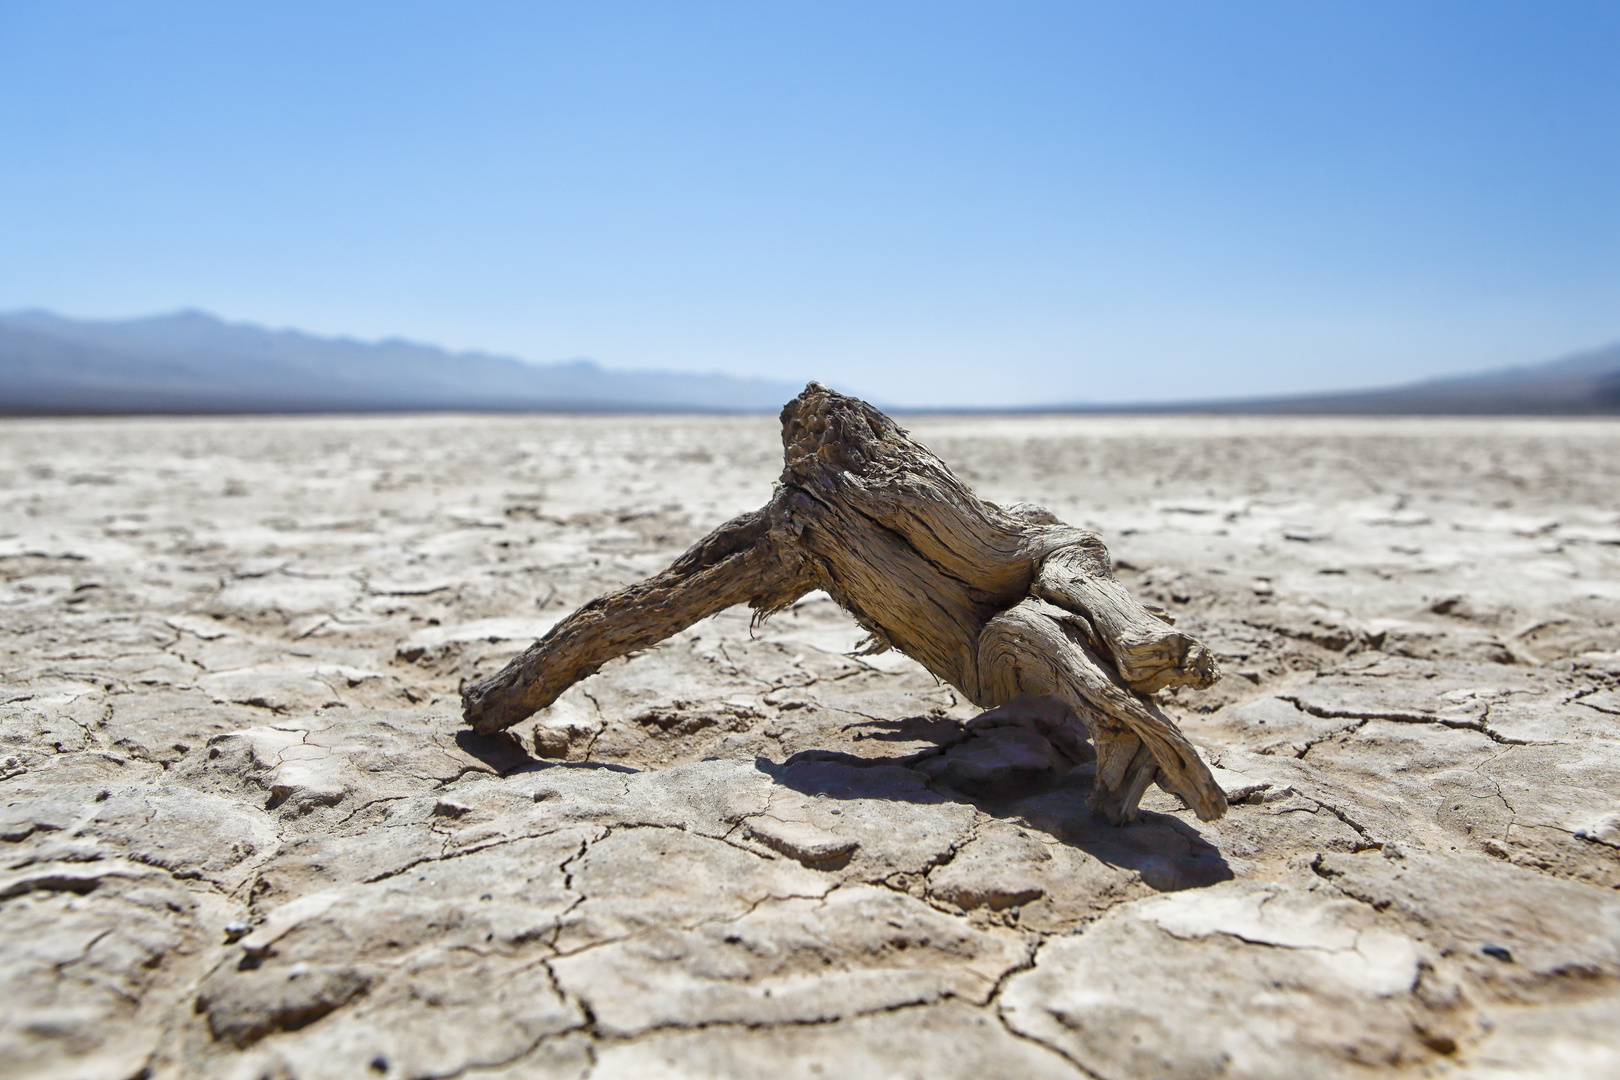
(243, 834)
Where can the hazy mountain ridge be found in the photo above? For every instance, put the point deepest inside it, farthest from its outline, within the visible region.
(1583, 384)
(193, 362)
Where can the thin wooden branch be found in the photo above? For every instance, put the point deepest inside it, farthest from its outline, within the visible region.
(736, 564)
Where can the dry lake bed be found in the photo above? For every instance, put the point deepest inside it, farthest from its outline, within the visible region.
(243, 833)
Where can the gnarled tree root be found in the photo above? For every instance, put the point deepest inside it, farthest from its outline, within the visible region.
(997, 601)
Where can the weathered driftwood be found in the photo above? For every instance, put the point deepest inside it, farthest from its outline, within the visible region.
(995, 600)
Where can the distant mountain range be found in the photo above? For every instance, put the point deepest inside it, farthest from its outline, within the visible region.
(1586, 384)
(192, 362)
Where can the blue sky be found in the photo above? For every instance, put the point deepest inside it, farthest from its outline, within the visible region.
(928, 203)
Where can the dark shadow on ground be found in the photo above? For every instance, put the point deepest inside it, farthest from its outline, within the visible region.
(1165, 851)
(935, 732)
(1042, 789)
(505, 753)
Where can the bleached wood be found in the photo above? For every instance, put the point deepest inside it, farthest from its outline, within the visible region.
(995, 600)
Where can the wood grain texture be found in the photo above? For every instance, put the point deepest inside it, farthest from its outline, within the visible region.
(995, 600)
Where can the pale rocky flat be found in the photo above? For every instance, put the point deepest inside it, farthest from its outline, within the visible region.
(245, 833)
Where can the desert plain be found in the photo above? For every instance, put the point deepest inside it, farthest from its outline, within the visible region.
(244, 832)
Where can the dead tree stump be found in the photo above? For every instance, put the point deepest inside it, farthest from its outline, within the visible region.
(995, 600)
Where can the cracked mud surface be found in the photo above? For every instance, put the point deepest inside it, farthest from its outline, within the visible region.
(242, 833)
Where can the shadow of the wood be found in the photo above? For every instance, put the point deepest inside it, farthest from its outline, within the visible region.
(503, 751)
(1166, 852)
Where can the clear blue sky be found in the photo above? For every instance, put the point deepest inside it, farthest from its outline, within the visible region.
(928, 203)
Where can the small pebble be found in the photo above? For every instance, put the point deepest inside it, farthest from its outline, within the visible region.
(1496, 952)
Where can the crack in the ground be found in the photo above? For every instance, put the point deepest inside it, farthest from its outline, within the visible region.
(980, 819)
(1396, 717)
(606, 1041)
(1485, 729)
(445, 854)
(1360, 829)
(1341, 735)
(368, 804)
(722, 920)
(993, 1004)
(472, 1067)
(567, 869)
